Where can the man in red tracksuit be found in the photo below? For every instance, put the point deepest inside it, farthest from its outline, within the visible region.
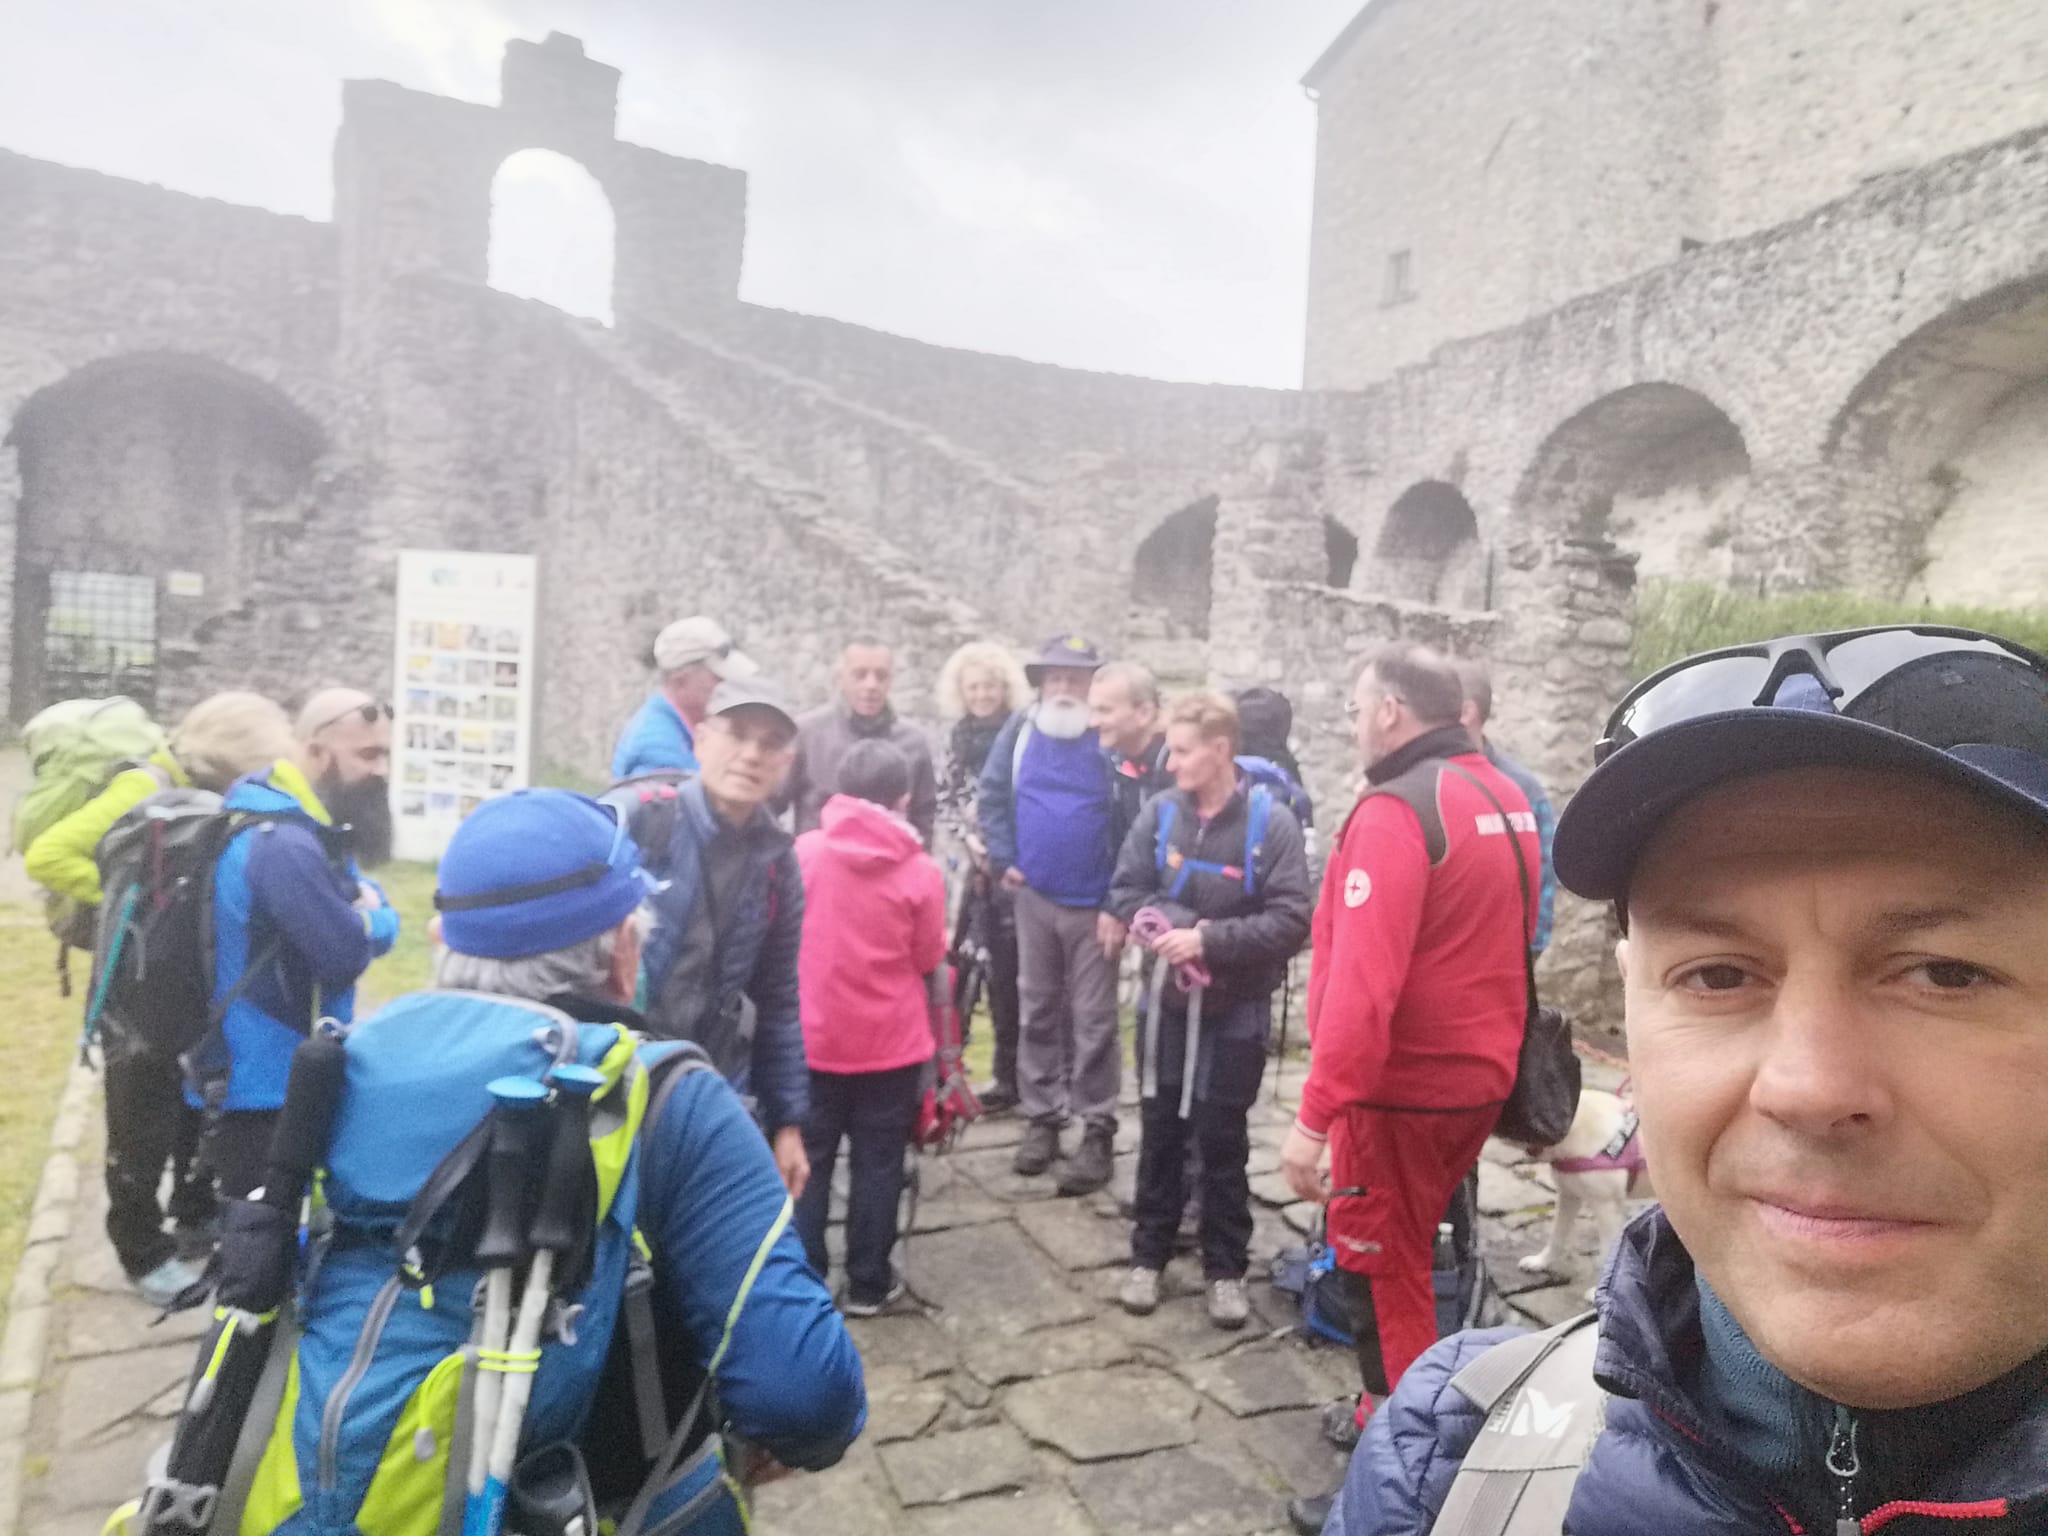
(1416, 999)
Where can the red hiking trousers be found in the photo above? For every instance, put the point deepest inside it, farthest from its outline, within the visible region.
(1409, 1163)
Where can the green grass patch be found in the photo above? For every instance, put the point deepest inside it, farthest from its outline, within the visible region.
(1675, 619)
(42, 1031)
(410, 965)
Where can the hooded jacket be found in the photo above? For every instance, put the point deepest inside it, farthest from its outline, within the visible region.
(874, 927)
(1703, 1437)
(758, 920)
(285, 904)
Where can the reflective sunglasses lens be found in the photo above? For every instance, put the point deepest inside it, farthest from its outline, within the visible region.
(1706, 688)
(1861, 660)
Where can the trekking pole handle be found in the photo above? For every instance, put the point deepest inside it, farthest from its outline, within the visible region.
(569, 1168)
(312, 1095)
(515, 1137)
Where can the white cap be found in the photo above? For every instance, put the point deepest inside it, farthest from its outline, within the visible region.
(701, 640)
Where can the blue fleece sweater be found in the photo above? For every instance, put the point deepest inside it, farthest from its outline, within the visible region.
(279, 901)
(1051, 813)
(656, 738)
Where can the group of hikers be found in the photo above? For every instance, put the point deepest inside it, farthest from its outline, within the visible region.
(659, 1014)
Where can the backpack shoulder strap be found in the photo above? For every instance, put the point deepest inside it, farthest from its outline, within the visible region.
(1258, 812)
(1543, 1411)
(1017, 750)
(1162, 850)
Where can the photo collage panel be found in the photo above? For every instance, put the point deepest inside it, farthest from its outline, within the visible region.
(461, 715)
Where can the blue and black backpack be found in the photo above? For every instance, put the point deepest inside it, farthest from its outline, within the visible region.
(1268, 781)
(359, 1420)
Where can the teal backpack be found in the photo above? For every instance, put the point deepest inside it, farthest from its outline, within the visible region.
(347, 1405)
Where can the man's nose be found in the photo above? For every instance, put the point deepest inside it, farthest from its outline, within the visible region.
(1824, 1067)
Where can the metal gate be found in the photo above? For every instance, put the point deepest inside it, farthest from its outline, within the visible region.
(99, 637)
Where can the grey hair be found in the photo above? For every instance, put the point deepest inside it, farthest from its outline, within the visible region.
(584, 967)
(1137, 682)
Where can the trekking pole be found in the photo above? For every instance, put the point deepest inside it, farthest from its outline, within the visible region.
(567, 1208)
(256, 1253)
(509, 1186)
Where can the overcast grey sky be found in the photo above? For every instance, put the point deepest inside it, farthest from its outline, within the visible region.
(1119, 184)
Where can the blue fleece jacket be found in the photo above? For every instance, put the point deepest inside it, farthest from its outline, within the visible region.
(790, 1378)
(1052, 813)
(280, 902)
(655, 739)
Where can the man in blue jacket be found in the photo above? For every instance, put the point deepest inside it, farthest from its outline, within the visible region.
(692, 657)
(721, 963)
(1050, 819)
(734, 1295)
(1830, 857)
(295, 921)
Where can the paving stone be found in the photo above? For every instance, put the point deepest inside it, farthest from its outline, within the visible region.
(1177, 1493)
(1075, 1235)
(1292, 1446)
(107, 1325)
(1004, 1130)
(1302, 1216)
(842, 1501)
(1262, 1160)
(1261, 1379)
(992, 1278)
(1180, 1330)
(1553, 1303)
(903, 1411)
(912, 1344)
(996, 1360)
(951, 1199)
(992, 1171)
(942, 1469)
(969, 1392)
(1097, 1415)
(1502, 1190)
(1051, 1513)
(104, 1390)
(97, 1475)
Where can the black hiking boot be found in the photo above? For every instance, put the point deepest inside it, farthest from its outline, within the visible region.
(997, 1098)
(1041, 1144)
(1310, 1513)
(1089, 1168)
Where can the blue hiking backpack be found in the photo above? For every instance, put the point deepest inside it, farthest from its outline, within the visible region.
(360, 1422)
(1268, 780)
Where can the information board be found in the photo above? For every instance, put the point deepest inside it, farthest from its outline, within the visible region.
(464, 710)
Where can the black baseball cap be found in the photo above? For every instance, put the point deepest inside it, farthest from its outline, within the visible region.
(1958, 706)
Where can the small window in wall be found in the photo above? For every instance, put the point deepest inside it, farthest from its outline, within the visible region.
(552, 234)
(1399, 289)
(99, 636)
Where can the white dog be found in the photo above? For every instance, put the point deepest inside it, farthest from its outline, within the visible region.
(1596, 1167)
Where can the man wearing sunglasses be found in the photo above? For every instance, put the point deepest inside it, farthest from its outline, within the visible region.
(295, 920)
(1829, 855)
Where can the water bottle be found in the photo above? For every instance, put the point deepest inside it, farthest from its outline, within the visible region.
(1446, 1248)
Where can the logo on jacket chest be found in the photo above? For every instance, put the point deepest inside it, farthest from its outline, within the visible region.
(1357, 887)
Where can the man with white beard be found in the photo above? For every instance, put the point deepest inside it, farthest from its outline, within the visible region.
(1049, 816)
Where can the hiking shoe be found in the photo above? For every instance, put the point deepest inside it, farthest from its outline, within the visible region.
(1139, 1294)
(1229, 1306)
(171, 1279)
(1310, 1513)
(1041, 1144)
(997, 1098)
(1340, 1423)
(868, 1306)
(1088, 1169)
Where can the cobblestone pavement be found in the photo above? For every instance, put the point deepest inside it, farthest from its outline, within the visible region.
(1009, 1395)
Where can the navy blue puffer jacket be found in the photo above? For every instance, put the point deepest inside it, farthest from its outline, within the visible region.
(1977, 1466)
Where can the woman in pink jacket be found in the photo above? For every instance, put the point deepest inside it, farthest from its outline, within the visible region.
(874, 928)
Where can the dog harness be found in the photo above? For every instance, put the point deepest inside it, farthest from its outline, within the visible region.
(1622, 1154)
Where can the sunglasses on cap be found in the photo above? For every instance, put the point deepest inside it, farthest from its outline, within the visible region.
(371, 714)
(1940, 686)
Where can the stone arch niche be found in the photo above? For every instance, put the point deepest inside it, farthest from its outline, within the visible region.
(1659, 470)
(552, 234)
(1941, 454)
(1340, 553)
(1172, 574)
(146, 482)
(1428, 549)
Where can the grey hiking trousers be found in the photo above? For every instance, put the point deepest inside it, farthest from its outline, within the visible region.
(1069, 1058)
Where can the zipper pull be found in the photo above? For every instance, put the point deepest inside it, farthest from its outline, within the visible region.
(1846, 1467)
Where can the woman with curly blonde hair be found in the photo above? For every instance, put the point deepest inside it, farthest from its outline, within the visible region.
(979, 688)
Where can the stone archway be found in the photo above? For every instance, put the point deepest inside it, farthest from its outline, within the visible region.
(1340, 553)
(1428, 550)
(1941, 452)
(1174, 568)
(143, 482)
(1659, 470)
(553, 234)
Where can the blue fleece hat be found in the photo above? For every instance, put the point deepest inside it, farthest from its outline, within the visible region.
(533, 871)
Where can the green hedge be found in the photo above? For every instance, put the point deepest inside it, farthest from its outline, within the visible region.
(1678, 618)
